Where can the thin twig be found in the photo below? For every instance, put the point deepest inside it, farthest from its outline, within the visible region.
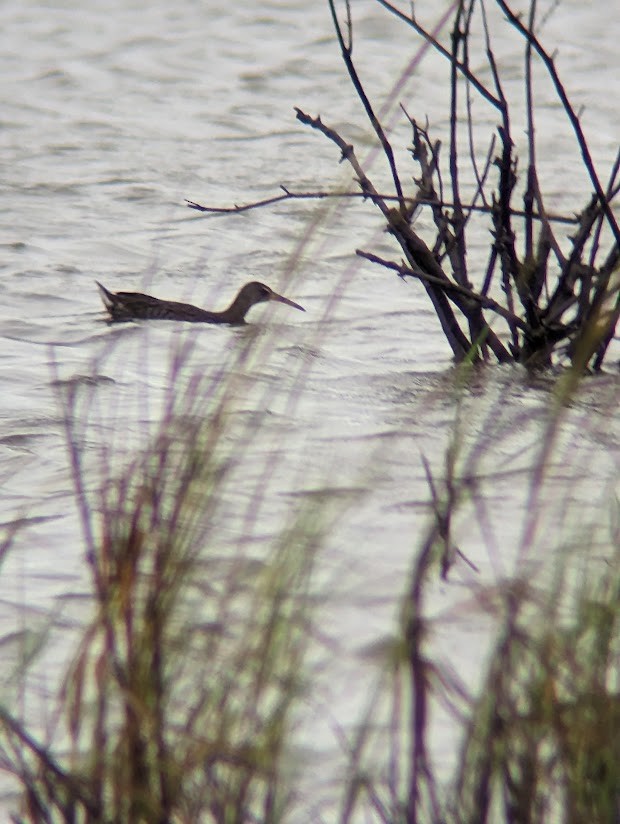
(348, 154)
(549, 64)
(410, 21)
(610, 193)
(451, 288)
(458, 256)
(346, 50)
(290, 195)
(531, 143)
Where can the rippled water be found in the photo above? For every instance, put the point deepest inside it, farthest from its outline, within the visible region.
(112, 117)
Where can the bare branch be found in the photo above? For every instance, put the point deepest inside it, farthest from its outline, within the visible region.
(503, 210)
(348, 153)
(457, 250)
(270, 201)
(548, 61)
(410, 21)
(411, 201)
(346, 56)
(536, 326)
(451, 288)
(531, 143)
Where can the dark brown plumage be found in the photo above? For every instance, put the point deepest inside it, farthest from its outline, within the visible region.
(124, 306)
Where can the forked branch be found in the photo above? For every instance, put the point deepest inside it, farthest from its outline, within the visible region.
(551, 294)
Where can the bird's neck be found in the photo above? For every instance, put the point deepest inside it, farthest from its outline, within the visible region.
(238, 309)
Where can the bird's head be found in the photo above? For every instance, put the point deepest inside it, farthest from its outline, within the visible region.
(256, 292)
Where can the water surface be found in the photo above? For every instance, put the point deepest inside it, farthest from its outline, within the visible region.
(111, 118)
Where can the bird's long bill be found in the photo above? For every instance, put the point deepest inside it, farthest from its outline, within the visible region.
(282, 299)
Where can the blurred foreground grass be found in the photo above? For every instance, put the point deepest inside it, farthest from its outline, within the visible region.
(180, 702)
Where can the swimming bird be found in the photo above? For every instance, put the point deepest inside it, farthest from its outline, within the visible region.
(123, 306)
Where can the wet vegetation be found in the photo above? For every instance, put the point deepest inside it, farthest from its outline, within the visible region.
(181, 699)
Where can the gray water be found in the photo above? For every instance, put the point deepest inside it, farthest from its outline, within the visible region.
(112, 117)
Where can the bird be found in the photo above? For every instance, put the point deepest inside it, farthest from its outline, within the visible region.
(125, 306)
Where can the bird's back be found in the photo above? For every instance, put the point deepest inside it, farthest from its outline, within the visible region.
(123, 306)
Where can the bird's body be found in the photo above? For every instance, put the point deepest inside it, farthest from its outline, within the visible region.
(124, 306)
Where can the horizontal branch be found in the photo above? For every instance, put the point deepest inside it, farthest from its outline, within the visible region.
(269, 201)
(289, 195)
(448, 286)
